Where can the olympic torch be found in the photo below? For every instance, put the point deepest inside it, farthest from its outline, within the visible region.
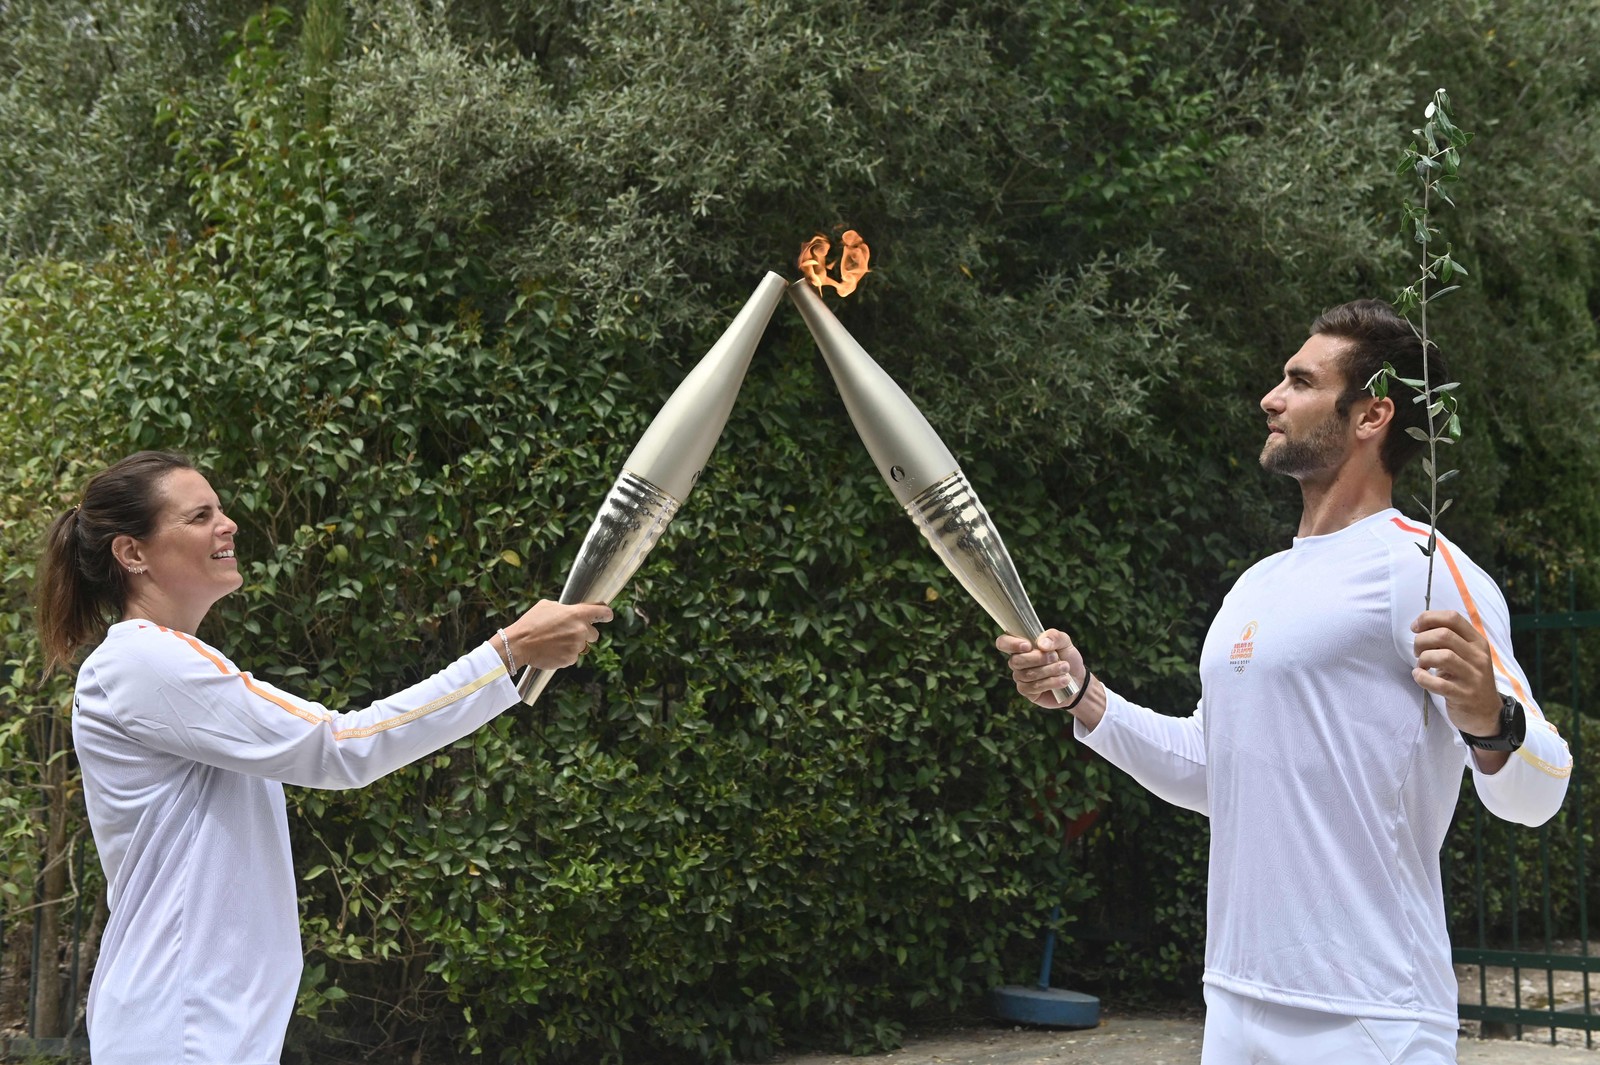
(663, 467)
(922, 473)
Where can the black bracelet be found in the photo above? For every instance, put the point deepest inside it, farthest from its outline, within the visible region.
(1076, 699)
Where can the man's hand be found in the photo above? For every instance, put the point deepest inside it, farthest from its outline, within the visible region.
(1040, 667)
(1454, 662)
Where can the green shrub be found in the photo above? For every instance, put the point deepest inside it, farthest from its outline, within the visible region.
(789, 795)
(429, 279)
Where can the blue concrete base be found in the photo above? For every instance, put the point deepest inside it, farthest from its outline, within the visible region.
(1047, 1006)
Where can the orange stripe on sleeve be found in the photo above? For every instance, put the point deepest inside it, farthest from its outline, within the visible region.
(249, 683)
(198, 647)
(316, 719)
(1557, 771)
(1474, 616)
(421, 711)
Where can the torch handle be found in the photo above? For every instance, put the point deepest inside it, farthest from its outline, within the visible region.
(632, 518)
(533, 684)
(958, 528)
(1068, 691)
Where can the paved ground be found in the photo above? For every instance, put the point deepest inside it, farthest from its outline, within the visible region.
(1136, 1040)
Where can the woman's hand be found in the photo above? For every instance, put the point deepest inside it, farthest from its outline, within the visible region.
(553, 635)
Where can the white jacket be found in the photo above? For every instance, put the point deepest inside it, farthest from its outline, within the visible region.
(1328, 788)
(184, 760)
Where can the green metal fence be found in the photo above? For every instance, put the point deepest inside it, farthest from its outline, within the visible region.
(1519, 899)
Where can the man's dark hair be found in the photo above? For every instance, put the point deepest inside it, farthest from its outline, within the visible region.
(1377, 335)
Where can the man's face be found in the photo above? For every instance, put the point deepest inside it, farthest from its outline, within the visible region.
(1306, 435)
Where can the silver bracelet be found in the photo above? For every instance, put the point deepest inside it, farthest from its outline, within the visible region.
(511, 662)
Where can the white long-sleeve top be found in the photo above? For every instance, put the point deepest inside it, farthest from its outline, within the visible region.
(184, 759)
(1328, 789)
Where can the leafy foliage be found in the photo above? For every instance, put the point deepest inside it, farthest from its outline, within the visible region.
(1435, 167)
(650, 857)
(411, 282)
(80, 80)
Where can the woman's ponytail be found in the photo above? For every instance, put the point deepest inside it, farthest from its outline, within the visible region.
(64, 611)
(80, 589)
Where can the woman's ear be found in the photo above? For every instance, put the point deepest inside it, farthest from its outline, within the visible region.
(128, 552)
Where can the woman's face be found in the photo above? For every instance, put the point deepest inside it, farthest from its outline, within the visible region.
(189, 552)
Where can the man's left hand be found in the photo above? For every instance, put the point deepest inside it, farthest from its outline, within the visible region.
(1454, 662)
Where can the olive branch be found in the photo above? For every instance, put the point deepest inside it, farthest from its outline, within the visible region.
(1436, 166)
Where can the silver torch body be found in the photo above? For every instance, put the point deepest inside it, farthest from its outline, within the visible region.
(663, 466)
(922, 474)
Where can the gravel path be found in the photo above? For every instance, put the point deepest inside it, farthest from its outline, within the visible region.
(1135, 1040)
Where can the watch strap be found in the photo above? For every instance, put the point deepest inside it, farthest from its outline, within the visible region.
(1513, 729)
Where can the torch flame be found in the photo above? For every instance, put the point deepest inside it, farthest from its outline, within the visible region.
(852, 264)
(813, 261)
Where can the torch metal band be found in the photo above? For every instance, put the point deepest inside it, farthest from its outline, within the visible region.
(632, 518)
(952, 517)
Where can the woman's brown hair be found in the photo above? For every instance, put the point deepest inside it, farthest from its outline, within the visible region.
(80, 588)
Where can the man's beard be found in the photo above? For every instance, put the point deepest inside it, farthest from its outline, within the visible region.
(1319, 450)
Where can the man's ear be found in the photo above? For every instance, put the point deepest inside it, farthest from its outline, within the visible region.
(1373, 416)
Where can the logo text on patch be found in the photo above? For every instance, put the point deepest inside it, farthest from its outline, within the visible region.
(1244, 649)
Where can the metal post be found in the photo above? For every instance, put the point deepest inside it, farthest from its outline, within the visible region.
(1049, 949)
(1575, 804)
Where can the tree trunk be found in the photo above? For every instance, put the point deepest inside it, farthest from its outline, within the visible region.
(47, 1012)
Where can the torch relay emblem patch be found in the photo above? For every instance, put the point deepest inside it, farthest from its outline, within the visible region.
(1242, 651)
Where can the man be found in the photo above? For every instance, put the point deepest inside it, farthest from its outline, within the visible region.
(1329, 777)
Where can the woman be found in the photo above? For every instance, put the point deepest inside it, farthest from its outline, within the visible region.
(184, 759)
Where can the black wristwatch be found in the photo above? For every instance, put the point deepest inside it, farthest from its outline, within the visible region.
(1513, 729)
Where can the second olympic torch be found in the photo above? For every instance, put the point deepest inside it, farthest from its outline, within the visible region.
(663, 466)
(922, 474)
